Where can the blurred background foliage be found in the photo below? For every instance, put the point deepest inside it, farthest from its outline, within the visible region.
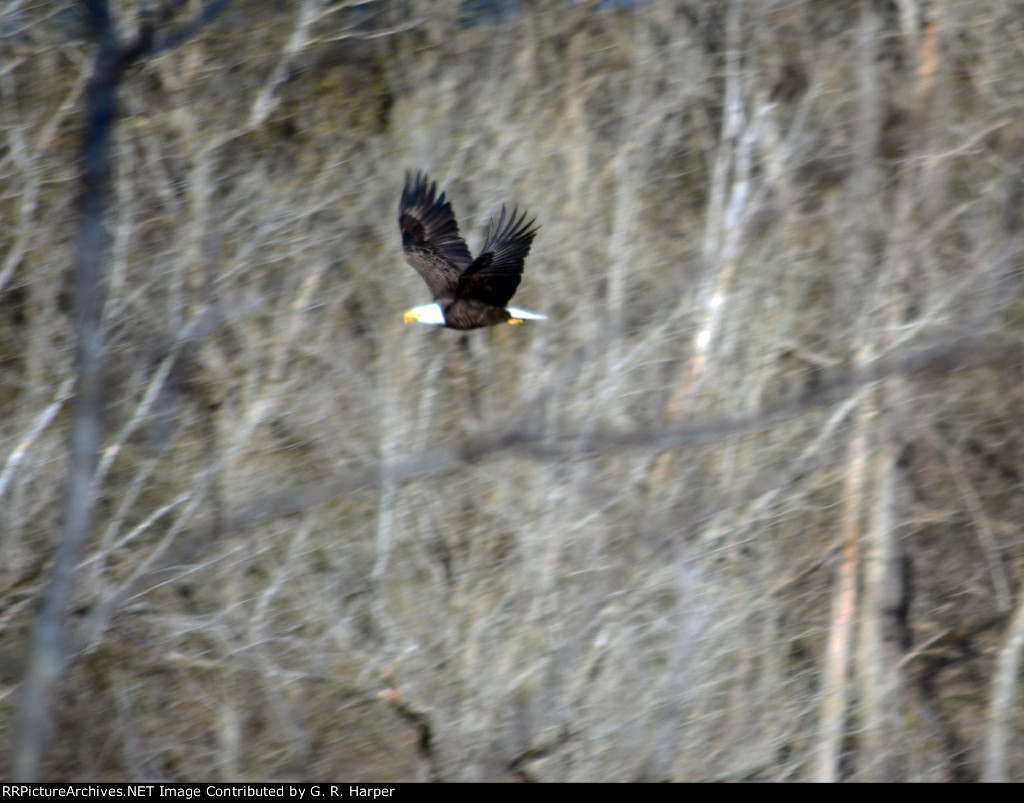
(746, 507)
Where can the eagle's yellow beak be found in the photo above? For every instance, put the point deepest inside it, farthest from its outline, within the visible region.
(410, 316)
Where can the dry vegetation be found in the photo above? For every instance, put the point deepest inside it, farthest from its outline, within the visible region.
(748, 506)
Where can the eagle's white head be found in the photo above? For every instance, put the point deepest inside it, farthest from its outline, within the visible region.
(428, 313)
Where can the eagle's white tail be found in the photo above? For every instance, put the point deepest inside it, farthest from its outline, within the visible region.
(525, 314)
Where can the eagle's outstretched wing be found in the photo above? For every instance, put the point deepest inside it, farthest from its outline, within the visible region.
(430, 236)
(494, 275)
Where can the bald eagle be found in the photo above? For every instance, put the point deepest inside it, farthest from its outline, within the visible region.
(468, 293)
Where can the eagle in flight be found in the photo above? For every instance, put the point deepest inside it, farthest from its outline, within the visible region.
(468, 293)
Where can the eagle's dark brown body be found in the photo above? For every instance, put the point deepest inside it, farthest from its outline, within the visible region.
(471, 293)
(465, 313)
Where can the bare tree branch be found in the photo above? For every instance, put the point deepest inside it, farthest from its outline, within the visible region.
(48, 651)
